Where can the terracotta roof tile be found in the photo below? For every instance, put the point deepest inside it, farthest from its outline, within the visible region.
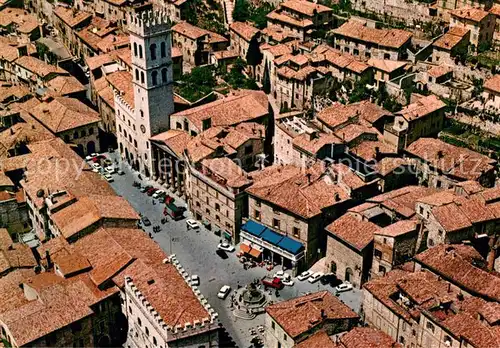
(65, 85)
(89, 210)
(318, 340)
(357, 233)
(493, 83)
(369, 150)
(386, 65)
(193, 32)
(25, 21)
(303, 314)
(245, 30)
(290, 188)
(458, 264)
(452, 38)
(312, 143)
(398, 228)
(472, 14)
(439, 70)
(121, 81)
(226, 170)
(452, 160)
(176, 140)
(248, 106)
(70, 16)
(276, 16)
(305, 7)
(38, 66)
(367, 337)
(62, 114)
(394, 38)
(403, 200)
(422, 107)
(340, 114)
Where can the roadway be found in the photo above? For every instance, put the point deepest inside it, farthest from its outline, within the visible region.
(195, 250)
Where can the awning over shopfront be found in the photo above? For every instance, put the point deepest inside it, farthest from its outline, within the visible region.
(250, 250)
(262, 232)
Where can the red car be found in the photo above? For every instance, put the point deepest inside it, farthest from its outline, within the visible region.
(271, 282)
(151, 191)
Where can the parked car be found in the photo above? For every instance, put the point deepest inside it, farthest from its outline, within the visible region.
(345, 286)
(226, 247)
(304, 275)
(151, 191)
(145, 188)
(95, 165)
(192, 224)
(195, 280)
(108, 177)
(224, 291)
(329, 278)
(146, 221)
(272, 282)
(159, 194)
(120, 172)
(287, 280)
(110, 169)
(279, 274)
(222, 254)
(88, 158)
(315, 277)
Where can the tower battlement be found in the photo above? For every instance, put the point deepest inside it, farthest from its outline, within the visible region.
(148, 22)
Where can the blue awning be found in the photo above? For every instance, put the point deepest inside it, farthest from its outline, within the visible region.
(264, 233)
(253, 227)
(271, 237)
(290, 245)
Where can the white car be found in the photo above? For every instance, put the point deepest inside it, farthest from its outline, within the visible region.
(304, 275)
(193, 224)
(224, 291)
(226, 247)
(120, 172)
(110, 169)
(94, 154)
(95, 165)
(88, 158)
(345, 286)
(279, 274)
(158, 194)
(195, 280)
(108, 177)
(315, 277)
(287, 280)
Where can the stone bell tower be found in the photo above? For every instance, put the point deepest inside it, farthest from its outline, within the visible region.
(152, 78)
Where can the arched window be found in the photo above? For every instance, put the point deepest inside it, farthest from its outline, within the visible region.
(154, 77)
(91, 131)
(142, 77)
(84, 133)
(163, 50)
(164, 75)
(152, 50)
(140, 51)
(139, 321)
(142, 113)
(147, 331)
(75, 135)
(136, 75)
(135, 49)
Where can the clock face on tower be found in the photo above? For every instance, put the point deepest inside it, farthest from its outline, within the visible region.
(143, 129)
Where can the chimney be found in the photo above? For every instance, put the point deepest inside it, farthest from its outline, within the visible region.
(323, 315)
(49, 261)
(308, 175)
(440, 154)
(337, 197)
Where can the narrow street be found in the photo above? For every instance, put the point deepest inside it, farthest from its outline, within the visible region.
(195, 249)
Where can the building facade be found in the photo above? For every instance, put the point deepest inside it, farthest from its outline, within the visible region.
(152, 78)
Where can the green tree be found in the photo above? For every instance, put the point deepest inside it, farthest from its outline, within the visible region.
(359, 91)
(241, 11)
(266, 81)
(259, 15)
(254, 55)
